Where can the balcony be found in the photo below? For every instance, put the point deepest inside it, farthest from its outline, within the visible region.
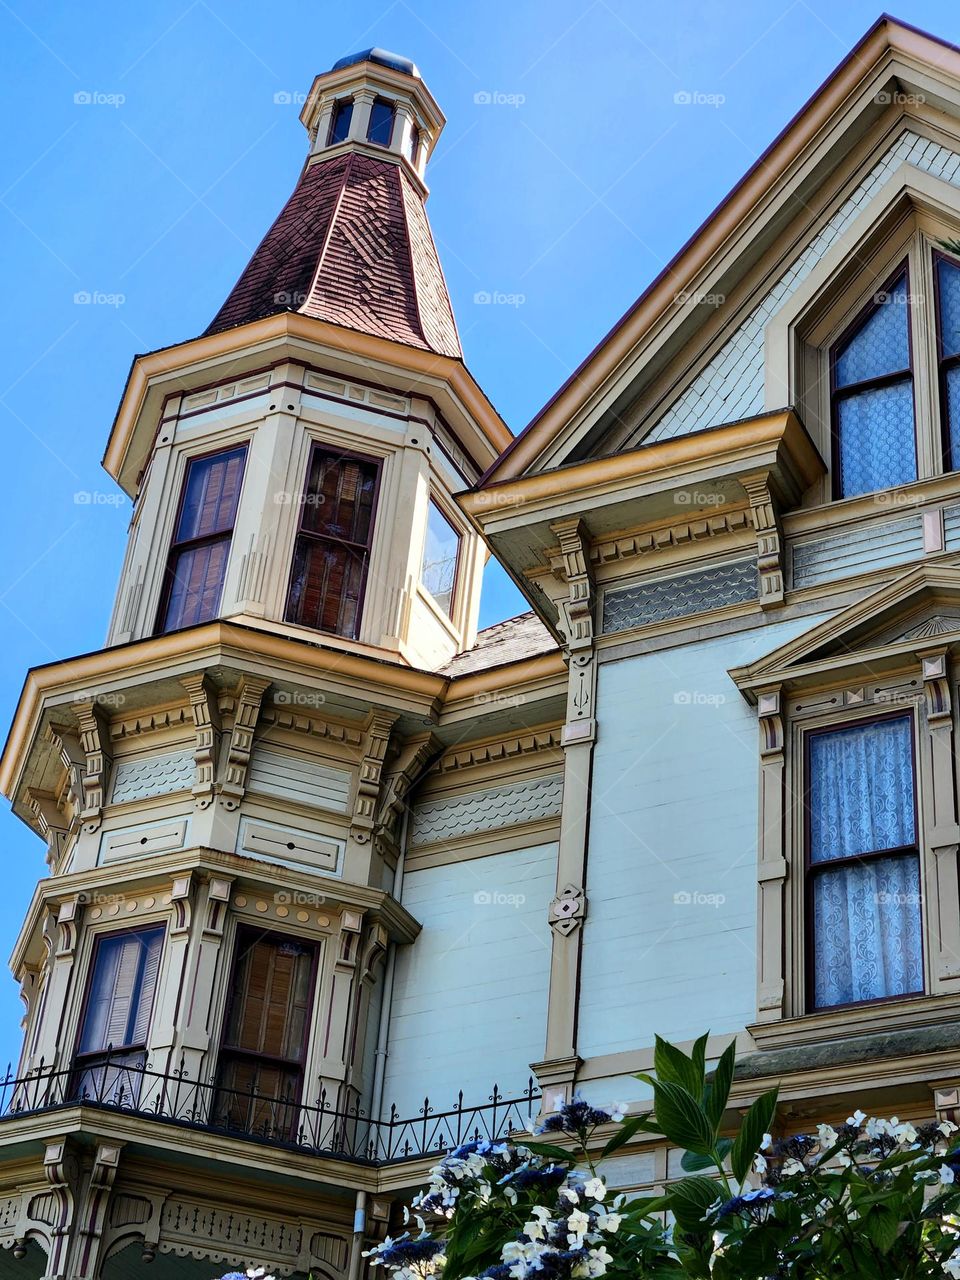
(120, 1085)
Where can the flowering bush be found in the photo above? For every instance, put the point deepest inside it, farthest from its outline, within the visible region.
(871, 1198)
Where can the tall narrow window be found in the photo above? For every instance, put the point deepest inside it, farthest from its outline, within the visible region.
(948, 353)
(872, 398)
(380, 128)
(201, 540)
(863, 865)
(112, 1045)
(332, 550)
(260, 1077)
(340, 124)
(440, 552)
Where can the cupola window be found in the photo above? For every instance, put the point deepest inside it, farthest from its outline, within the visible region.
(380, 128)
(332, 551)
(340, 124)
(441, 551)
(872, 395)
(197, 563)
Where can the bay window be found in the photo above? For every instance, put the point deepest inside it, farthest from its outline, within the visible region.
(863, 864)
(441, 550)
(872, 397)
(112, 1043)
(331, 554)
(203, 532)
(264, 1044)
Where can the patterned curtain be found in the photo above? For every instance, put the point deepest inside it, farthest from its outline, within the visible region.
(866, 912)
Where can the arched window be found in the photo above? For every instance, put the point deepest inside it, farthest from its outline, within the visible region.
(871, 382)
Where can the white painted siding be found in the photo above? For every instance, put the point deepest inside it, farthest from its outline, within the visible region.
(469, 1008)
(295, 778)
(674, 812)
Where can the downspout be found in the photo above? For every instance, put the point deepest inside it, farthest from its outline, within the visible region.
(359, 1229)
(383, 1029)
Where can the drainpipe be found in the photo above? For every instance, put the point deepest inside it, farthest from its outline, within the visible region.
(383, 1029)
(359, 1230)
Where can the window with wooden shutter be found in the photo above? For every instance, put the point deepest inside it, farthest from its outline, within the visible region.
(332, 550)
(197, 564)
(260, 1077)
(112, 1044)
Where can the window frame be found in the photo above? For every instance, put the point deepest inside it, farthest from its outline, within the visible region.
(85, 1061)
(944, 363)
(392, 105)
(338, 105)
(323, 446)
(243, 933)
(176, 549)
(804, 1004)
(434, 502)
(838, 394)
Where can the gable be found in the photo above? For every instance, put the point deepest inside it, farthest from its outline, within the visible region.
(690, 353)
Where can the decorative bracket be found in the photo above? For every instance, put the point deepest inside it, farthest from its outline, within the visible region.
(249, 698)
(568, 910)
(770, 717)
(936, 686)
(577, 624)
(52, 821)
(375, 744)
(409, 767)
(94, 743)
(766, 524)
(206, 725)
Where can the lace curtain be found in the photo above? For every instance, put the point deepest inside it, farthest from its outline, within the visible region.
(866, 913)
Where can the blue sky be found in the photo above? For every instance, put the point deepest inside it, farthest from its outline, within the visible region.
(565, 194)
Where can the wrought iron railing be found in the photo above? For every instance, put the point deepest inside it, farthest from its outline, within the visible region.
(122, 1084)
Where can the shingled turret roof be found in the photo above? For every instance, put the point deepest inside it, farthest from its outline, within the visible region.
(352, 246)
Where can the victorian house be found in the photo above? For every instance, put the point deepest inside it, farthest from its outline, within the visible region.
(332, 879)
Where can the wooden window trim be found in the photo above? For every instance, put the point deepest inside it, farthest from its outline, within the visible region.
(838, 394)
(433, 502)
(811, 870)
(178, 549)
(944, 364)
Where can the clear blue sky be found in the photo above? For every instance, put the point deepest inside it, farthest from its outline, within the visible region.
(569, 191)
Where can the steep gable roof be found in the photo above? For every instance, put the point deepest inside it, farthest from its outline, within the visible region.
(741, 219)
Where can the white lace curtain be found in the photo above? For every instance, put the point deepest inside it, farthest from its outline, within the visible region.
(866, 911)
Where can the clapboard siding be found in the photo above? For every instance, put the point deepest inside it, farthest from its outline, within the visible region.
(674, 812)
(873, 546)
(294, 778)
(470, 998)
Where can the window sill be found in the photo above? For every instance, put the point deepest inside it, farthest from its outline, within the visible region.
(855, 1020)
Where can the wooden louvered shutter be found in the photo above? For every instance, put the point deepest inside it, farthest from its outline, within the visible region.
(122, 987)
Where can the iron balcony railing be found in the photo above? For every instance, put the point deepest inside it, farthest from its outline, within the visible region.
(120, 1083)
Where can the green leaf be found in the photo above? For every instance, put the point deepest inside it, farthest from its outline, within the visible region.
(681, 1119)
(672, 1066)
(690, 1198)
(692, 1162)
(719, 1087)
(636, 1124)
(755, 1124)
(882, 1226)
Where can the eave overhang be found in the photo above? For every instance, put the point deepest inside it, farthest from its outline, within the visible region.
(693, 473)
(188, 366)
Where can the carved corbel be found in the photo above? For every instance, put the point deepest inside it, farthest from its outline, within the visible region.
(936, 686)
(95, 745)
(411, 764)
(249, 699)
(181, 900)
(52, 821)
(66, 743)
(55, 1218)
(577, 625)
(93, 1217)
(206, 727)
(68, 927)
(568, 910)
(766, 524)
(375, 744)
(218, 899)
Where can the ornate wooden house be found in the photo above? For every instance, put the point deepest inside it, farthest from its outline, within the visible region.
(324, 863)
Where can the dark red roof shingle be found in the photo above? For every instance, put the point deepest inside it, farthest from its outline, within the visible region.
(352, 246)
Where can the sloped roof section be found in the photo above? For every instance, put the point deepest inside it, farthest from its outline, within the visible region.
(517, 638)
(353, 247)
